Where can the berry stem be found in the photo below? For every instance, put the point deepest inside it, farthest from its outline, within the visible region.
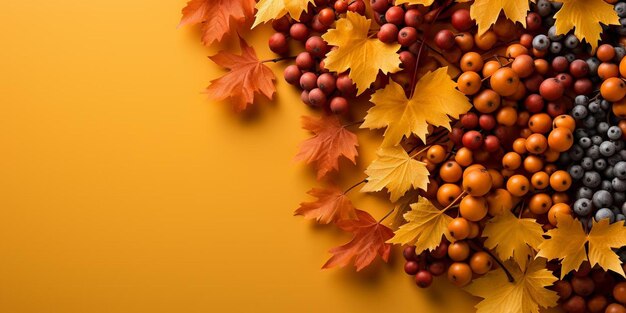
(463, 194)
(503, 65)
(478, 247)
(386, 215)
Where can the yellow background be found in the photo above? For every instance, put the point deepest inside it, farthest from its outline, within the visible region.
(123, 189)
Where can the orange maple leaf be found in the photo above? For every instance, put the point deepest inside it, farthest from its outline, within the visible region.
(332, 205)
(216, 15)
(331, 141)
(247, 76)
(369, 240)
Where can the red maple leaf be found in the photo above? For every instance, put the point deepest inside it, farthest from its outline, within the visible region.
(369, 240)
(331, 141)
(216, 16)
(247, 76)
(331, 205)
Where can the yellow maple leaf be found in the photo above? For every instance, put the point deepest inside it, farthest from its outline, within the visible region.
(435, 98)
(513, 237)
(274, 9)
(567, 243)
(486, 12)
(402, 206)
(355, 51)
(585, 17)
(397, 171)
(426, 224)
(525, 294)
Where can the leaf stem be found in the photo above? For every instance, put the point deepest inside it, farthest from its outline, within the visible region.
(463, 194)
(276, 60)
(386, 215)
(354, 186)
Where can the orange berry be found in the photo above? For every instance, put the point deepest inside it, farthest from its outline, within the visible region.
(460, 274)
(436, 154)
(469, 83)
(518, 185)
(560, 139)
(519, 145)
(499, 201)
(622, 67)
(540, 123)
(540, 180)
(560, 180)
(560, 197)
(471, 61)
(540, 203)
(536, 144)
(541, 66)
(504, 81)
(465, 41)
(481, 262)
(516, 50)
(558, 210)
(485, 41)
(450, 172)
(605, 53)
(487, 101)
(496, 178)
(477, 183)
(473, 208)
(458, 250)
(533, 164)
(511, 161)
(459, 228)
(607, 70)
(447, 193)
(507, 116)
(491, 67)
(564, 121)
(523, 65)
(613, 89)
(464, 156)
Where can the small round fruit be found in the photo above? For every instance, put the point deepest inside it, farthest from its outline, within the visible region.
(504, 81)
(444, 39)
(460, 274)
(540, 203)
(469, 83)
(447, 193)
(518, 185)
(619, 292)
(458, 250)
(459, 228)
(450, 172)
(472, 140)
(560, 139)
(473, 208)
(436, 154)
(613, 89)
(477, 183)
(557, 210)
(481, 262)
(560, 180)
(551, 89)
(499, 201)
(423, 279)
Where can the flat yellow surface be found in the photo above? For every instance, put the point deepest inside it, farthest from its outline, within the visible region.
(123, 189)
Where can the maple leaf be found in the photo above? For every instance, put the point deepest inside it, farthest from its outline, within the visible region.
(513, 237)
(585, 17)
(274, 9)
(434, 99)
(355, 51)
(486, 12)
(368, 241)
(526, 294)
(331, 205)
(247, 76)
(426, 224)
(216, 16)
(331, 141)
(402, 206)
(567, 243)
(397, 171)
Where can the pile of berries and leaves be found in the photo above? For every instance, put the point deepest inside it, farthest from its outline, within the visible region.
(503, 124)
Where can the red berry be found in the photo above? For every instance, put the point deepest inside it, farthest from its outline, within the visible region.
(339, 105)
(341, 6)
(327, 83)
(278, 43)
(472, 140)
(579, 68)
(551, 89)
(437, 268)
(487, 121)
(304, 96)
(441, 251)
(345, 84)
(444, 39)
(317, 26)
(282, 24)
(560, 64)
(532, 83)
(395, 15)
(308, 81)
(583, 86)
(555, 109)
(469, 120)
(379, 6)
(357, 6)
(423, 279)
(326, 16)
(388, 33)
(413, 18)
(533, 21)
(411, 267)
(492, 143)
(461, 20)
(316, 46)
(456, 135)
(408, 59)
(292, 74)
(317, 97)
(565, 79)
(407, 36)
(534, 103)
(299, 31)
(305, 61)
(409, 253)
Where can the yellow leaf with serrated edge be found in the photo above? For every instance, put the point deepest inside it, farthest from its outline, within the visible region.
(524, 295)
(274, 9)
(486, 12)
(513, 237)
(435, 99)
(355, 51)
(402, 206)
(426, 224)
(585, 18)
(397, 171)
(567, 243)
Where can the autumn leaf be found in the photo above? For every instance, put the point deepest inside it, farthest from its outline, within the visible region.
(331, 205)
(526, 294)
(402, 206)
(567, 243)
(355, 51)
(331, 140)
(585, 18)
(247, 76)
(368, 241)
(397, 171)
(486, 12)
(216, 16)
(274, 9)
(435, 100)
(426, 224)
(513, 237)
